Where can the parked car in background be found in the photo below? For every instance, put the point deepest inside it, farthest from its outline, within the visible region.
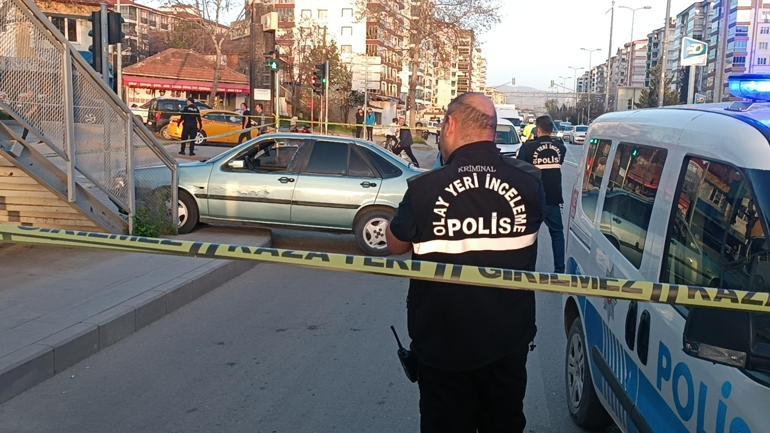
(219, 126)
(141, 111)
(161, 110)
(304, 181)
(562, 128)
(576, 135)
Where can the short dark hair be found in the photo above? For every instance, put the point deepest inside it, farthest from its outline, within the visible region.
(395, 119)
(471, 116)
(545, 124)
(191, 99)
(259, 105)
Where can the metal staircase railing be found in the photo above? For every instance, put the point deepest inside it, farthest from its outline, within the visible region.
(49, 89)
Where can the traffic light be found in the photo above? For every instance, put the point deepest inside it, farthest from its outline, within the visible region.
(319, 78)
(635, 153)
(96, 41)
(273, 65)
(114, 28)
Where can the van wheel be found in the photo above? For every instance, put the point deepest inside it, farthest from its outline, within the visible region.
(584, 406)
(164, 133)
(369, 230)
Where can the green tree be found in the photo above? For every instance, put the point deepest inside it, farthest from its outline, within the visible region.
(648, 98)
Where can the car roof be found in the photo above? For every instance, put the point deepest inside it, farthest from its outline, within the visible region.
(502, 121)
(707, 130)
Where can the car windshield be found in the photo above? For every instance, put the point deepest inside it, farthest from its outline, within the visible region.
(515, 120)
(506, 135)
(581, 129)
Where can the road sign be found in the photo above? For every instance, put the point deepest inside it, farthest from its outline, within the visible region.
(262, 94)
(694, 52)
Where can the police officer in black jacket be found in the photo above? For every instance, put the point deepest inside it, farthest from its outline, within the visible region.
(191, 122)
(479, 209)
(547, 153)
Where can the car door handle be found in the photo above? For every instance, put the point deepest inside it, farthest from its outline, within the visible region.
(367, 184)
(285, 179)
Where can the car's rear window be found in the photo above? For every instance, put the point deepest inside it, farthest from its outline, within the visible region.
(581, 129)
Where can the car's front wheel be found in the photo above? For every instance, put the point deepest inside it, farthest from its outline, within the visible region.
(164, 133)
(584, 406)
(200, 138)
(187, 213)
(369, 230)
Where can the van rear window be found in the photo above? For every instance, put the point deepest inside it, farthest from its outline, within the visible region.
(631, 192)
(598, 151)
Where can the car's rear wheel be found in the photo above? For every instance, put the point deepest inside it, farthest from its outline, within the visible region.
(584, 406)
(164, 133)
(187, 211)
(200, 138)
(369, 230)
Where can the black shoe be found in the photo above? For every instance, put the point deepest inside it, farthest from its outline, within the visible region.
(181, 152)
(192, 153)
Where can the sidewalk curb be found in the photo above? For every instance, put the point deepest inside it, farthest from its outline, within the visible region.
(40, 360)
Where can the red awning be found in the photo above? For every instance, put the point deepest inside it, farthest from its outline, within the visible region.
(170, 84)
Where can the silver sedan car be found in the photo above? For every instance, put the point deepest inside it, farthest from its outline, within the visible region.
(298, 180)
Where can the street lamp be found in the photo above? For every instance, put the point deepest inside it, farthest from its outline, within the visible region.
(664, 57)
(575, 70)
(590, 81)
(609, 59)
(633, 16)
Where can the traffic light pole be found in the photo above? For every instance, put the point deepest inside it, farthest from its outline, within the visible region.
(104, 46)
(276, 99)
(119, 62)
(326, 96)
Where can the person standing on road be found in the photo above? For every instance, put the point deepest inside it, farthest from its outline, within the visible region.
(405, 142)
(371, 120)
(191, 122)
(480, 209)
(360, 122)
(259, 116)
(246, 123)
(547, 153)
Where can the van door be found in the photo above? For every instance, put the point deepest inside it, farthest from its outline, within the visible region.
(716, 237)
(618, 238)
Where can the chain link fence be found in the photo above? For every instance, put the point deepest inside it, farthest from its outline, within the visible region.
(109, 148)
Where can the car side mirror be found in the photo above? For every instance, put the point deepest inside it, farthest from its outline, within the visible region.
(727, 337)
(236, 163)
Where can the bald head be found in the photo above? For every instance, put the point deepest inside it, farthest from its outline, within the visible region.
(471, 117)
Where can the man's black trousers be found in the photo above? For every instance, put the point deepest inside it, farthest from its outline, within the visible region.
(487, 400)
(189, 133)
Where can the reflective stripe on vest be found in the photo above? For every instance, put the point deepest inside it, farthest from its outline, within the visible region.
(475, 244)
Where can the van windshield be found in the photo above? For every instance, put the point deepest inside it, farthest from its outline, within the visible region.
(515, 120)
(506, 135)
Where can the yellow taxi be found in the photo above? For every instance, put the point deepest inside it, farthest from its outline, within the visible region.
(218, 127)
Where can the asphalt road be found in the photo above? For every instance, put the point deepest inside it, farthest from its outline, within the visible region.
(278, 349)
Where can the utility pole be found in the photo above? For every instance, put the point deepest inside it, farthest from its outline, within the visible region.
(609, 59)
(590, 83)
(633, 20)
(664, 58)
(119, 61)
(104, 45)
(252, 54)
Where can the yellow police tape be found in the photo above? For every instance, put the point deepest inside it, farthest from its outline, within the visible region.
(673, 294)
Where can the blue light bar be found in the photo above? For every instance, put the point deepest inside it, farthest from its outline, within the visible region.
(750, 86)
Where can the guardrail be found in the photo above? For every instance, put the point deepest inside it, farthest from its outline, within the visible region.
(53, 93)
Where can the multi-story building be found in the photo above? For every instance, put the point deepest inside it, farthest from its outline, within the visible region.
(495, 95)
(478, 71)
(584, 82)
(731, 24)
(140, 22)
(636, 61)
(655, 50)
(72, 19)
(757, 60)
(465, 49)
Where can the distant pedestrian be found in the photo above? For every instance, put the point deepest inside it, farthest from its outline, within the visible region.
(547, 153)
(259, 116)
(246, 123)
(405, 142)
(191, 123)
(360, 117)
(371, 120)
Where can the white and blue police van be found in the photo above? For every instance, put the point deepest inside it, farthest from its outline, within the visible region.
(678, 195)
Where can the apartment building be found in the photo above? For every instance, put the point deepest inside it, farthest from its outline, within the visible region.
(655, 49)
(465, 49)
(636, 61)
(478, 71)
(72, 19)
(139, 22)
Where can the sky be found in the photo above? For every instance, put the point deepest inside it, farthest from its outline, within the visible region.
(558, 29)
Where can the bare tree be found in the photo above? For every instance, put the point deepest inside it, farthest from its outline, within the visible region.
(208, 16)
(432, 30)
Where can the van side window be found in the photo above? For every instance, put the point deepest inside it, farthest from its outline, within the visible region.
(716, 237)
(631, 191)
(598, 150)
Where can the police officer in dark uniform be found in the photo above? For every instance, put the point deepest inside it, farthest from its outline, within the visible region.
(191, 123)
(480, 209)
(547, 153)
